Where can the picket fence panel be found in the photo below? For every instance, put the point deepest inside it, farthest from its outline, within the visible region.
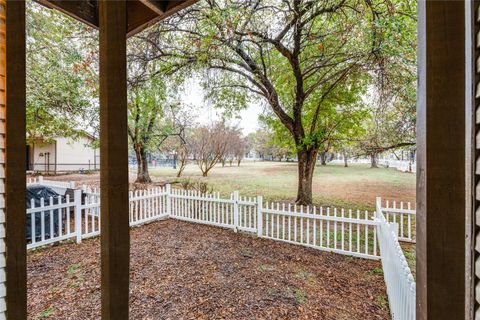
(52, 220)
(330, 229)
(90, 214)
(148, 205)
(208, 208)
(398, 277)
(404, 215)
(51, 183)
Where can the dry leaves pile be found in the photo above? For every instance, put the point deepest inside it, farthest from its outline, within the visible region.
(189, 271)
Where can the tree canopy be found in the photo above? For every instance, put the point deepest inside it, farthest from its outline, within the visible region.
(62, 70)
(309, 61)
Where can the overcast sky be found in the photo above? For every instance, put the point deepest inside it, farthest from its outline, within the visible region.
(248, 118)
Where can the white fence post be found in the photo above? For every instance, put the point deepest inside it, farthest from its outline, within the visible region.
(378, 207)
(72, 184)
(169, 199)
(259, 216)
(77, 198)
(236, 196)
(40, 179)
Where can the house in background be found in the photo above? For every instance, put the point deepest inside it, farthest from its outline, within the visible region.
(61, 154)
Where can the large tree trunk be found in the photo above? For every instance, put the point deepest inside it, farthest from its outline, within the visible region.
(306, 166)
(373, 160)
(345, 160)
(142, 165)
(183, 164)
(323, 158)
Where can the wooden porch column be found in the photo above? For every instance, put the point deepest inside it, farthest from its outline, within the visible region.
(115, 237)
(442, 177)
(15, 180)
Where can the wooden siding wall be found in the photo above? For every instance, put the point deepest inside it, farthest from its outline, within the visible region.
(473, 80)
(16, 264)
(2, 157)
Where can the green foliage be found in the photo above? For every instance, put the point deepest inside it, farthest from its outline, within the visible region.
(340, 118)
(311, 62)
(376, 271)
(146, 110)
(61, 74)
(45, 314)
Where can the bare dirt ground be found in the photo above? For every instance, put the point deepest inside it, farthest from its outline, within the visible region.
(186, 271)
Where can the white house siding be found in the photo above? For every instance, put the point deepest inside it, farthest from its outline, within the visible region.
(38, 156)
(75, 154)
(65, 154)
(2, 160)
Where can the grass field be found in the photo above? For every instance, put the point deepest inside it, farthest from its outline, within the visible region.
(335, 185)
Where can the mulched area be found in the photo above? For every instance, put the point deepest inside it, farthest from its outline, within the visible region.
(189, 271)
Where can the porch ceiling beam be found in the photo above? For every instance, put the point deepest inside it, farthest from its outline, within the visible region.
(141, 17)
(175, 6)
(15, 179)
(141, 13)
(155, 5)
(115, 238)
(83, 10)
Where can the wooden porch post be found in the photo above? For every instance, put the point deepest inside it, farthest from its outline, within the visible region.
(115, 237)
(15, 179)
(442, 177)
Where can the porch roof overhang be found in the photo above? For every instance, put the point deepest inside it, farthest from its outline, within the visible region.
(140, 13)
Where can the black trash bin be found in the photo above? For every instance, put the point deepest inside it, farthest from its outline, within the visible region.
(36, 193)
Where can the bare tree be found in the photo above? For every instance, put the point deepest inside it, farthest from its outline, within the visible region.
(182, 159)
(239, 148)
(209, 145)
(236, 146)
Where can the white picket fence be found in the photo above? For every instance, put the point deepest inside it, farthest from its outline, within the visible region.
(59, 187)
(350, 232)
(337, 230)
(55, 220)
(404, 215)
(371, 235)
(401, 165)
(397, 274)
(52, 220)
(329, 229)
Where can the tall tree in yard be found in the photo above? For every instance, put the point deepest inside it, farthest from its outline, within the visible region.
(291, 54)
(147, 120)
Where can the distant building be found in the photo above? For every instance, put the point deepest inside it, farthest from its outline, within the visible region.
(62, 154)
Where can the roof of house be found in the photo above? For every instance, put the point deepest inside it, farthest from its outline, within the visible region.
(141, 13)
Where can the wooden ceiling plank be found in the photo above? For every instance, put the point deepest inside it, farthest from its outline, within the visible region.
(157, 6)
(141, 17)
(141, 13)
(85, 11)
(175, 6)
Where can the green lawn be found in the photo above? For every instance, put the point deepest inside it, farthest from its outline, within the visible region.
(355, 186)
